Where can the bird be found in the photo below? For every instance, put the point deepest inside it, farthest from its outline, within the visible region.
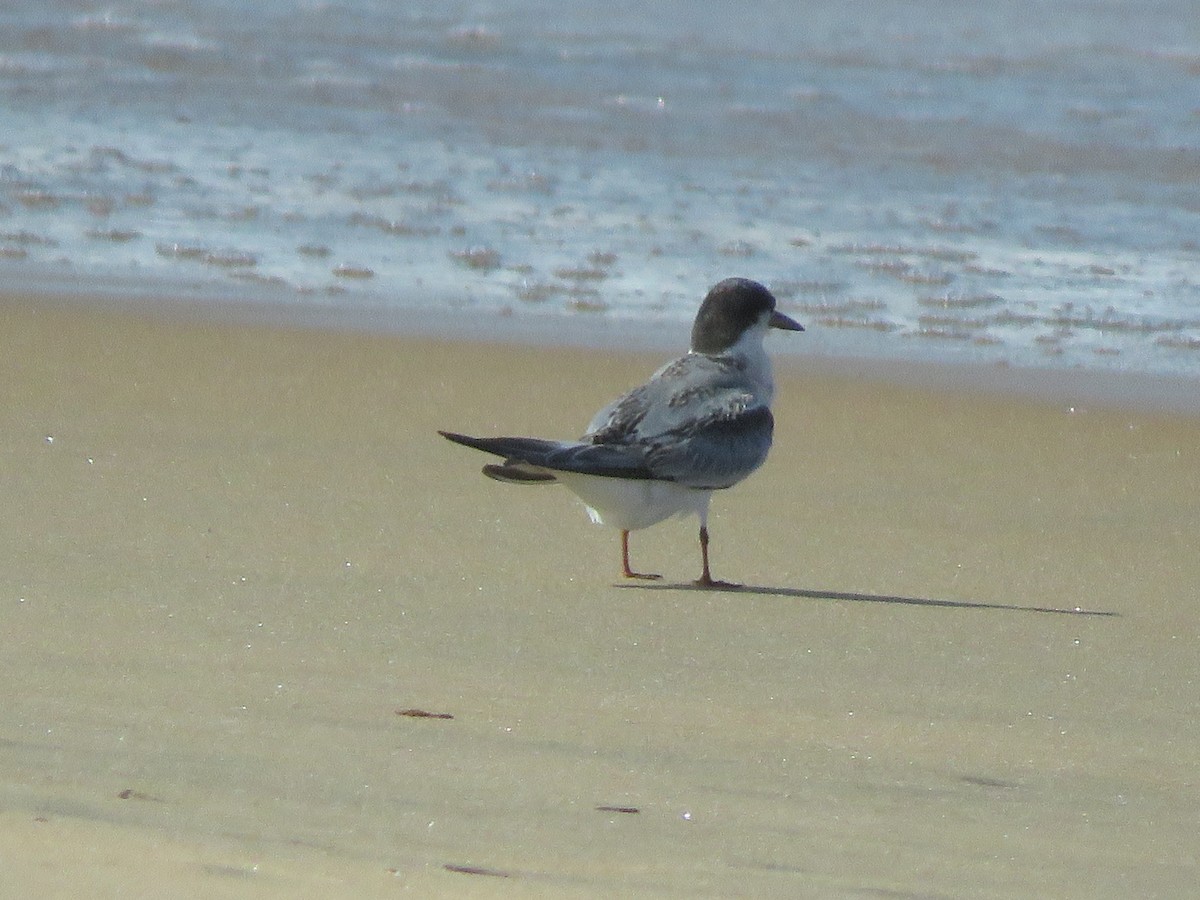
(702, 423)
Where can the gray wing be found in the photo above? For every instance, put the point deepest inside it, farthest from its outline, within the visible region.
(698, 422)
(716, 452)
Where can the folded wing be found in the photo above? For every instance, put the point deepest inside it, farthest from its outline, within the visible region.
(698, 422)
(716, 452)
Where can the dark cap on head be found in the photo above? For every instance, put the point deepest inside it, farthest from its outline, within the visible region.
(732, 306)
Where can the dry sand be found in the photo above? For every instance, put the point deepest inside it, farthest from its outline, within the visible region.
(232, 555)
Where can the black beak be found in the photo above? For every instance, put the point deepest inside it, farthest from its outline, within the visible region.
(779, 320)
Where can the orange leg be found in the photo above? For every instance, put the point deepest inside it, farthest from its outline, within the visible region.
(625, 570)
(706, 579)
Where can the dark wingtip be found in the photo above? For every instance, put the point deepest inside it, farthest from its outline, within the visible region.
(465, 440)
(455, 437)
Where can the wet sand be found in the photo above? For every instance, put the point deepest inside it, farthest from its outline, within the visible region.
(965, 662)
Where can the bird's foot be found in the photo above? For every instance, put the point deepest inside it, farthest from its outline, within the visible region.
(643, 576)
(707, 581)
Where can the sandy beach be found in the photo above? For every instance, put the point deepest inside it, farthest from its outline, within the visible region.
(267, 635)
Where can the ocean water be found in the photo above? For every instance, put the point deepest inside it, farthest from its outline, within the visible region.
(999, 182)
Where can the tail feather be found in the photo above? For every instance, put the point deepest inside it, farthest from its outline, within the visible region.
(513, 472)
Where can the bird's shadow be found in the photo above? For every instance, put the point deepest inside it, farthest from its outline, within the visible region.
(855, 597)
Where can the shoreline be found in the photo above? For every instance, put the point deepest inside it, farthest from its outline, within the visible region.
(1072, 388)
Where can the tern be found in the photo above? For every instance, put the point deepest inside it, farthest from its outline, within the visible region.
(702, 423)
